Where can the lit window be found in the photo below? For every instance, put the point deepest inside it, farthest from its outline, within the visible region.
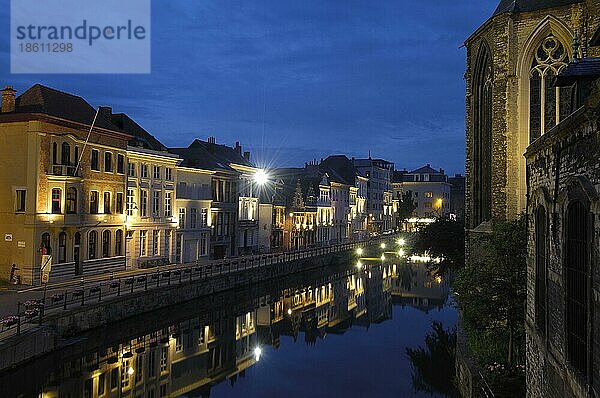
(156, 172)
(143, 243)
(56, 200)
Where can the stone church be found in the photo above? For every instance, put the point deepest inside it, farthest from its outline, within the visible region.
(533, 144)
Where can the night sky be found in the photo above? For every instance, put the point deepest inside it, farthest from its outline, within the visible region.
(296, 80)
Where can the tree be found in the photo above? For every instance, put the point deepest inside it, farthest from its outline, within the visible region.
(432, 365)
(444, 239)
(491, 293)
(406, 206)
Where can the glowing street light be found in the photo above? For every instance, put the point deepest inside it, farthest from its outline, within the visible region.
(359, 265)
(130, 371)
(401, 242)
(359, 251)
(257, 353)
(383, 257)
(382, 245)
(401, 252)
(261, 177)
(289, 311)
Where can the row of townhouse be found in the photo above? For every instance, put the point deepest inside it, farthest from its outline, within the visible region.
(91, 191)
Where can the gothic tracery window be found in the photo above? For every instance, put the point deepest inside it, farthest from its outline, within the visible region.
(548, 104)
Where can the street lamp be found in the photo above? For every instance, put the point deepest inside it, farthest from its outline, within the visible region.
(401, 242)
(359, 251)
(382, 245)
(261, 177)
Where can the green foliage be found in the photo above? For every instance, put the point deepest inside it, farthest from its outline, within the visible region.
(445, 239)
(432, 365)
(406, 206)
(491, 293)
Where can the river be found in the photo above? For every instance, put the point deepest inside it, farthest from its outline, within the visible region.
(341, 331)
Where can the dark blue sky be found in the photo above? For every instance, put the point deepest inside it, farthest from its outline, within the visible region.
(297, 80)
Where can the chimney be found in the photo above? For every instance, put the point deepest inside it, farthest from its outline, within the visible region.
(247, 156)
(8, 99)
(211, 140)
(106, 112)
(238, 147)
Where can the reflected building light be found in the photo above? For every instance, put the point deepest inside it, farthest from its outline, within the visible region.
(130, 371)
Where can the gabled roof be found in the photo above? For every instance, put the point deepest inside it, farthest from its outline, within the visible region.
(210, 156)
(340, 169)
(42, 99)
(427, 169)
(586, 68)
(141, 138)
(506, 6)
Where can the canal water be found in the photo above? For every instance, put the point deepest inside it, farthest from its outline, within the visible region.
(377, 331)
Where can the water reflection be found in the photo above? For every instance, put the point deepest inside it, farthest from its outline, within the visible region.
(191, 349)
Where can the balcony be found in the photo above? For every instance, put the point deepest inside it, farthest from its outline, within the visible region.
(64, 170)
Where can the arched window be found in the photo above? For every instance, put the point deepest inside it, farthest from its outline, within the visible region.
(45, 246)
(119, 242)
(92, 244)
(548, 105)
(482, 136)
(106, 243)
(65, 153)
(540, 269)
(577, 276)
(62, 247)
(72, 200)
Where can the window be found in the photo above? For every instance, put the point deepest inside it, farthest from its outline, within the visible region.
(120, 164)
(156, 203)
(65, 154)
(143, 203)
(143, 235)
(155, 243)
(139, 368)
(106, 202)
(119, 242)
(482, 136)
(62, 247)
(156, 172)
(130, 204)
(168, 174)
(71, 200)
(178, 247)
(20, 200)
(95, 164)
(56, 200)
(548, 105)
(45, 246)
(114, 377)
(204, 220)
(101, 384)
(144, 170)
(94, 202)
(131, 169)
(167, 242)
(193, 218)
(540, 269)
(182, 218)
(54, 153)
(119, 204)
(178, 343)
(429, 194)
(125, 378)
(106, 244)
(168, 204)
(577, 271)
(152, 363)
(203, 244)
(163, 360)
(108, 166)
(92, 242)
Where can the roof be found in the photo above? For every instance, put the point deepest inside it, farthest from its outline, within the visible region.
(515, 6)
(585, 68)
(42, 99)
(427, 169)
(210, 156)
(141, 138)
(340, 169)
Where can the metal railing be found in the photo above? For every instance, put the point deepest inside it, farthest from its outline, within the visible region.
(32, 312)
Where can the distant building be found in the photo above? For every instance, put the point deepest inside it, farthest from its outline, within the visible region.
(429, 188)
(379, 192)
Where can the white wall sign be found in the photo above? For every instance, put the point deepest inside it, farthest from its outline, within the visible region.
(21, 243)
(8, 237)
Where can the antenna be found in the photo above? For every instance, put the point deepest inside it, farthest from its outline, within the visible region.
(86, 141)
